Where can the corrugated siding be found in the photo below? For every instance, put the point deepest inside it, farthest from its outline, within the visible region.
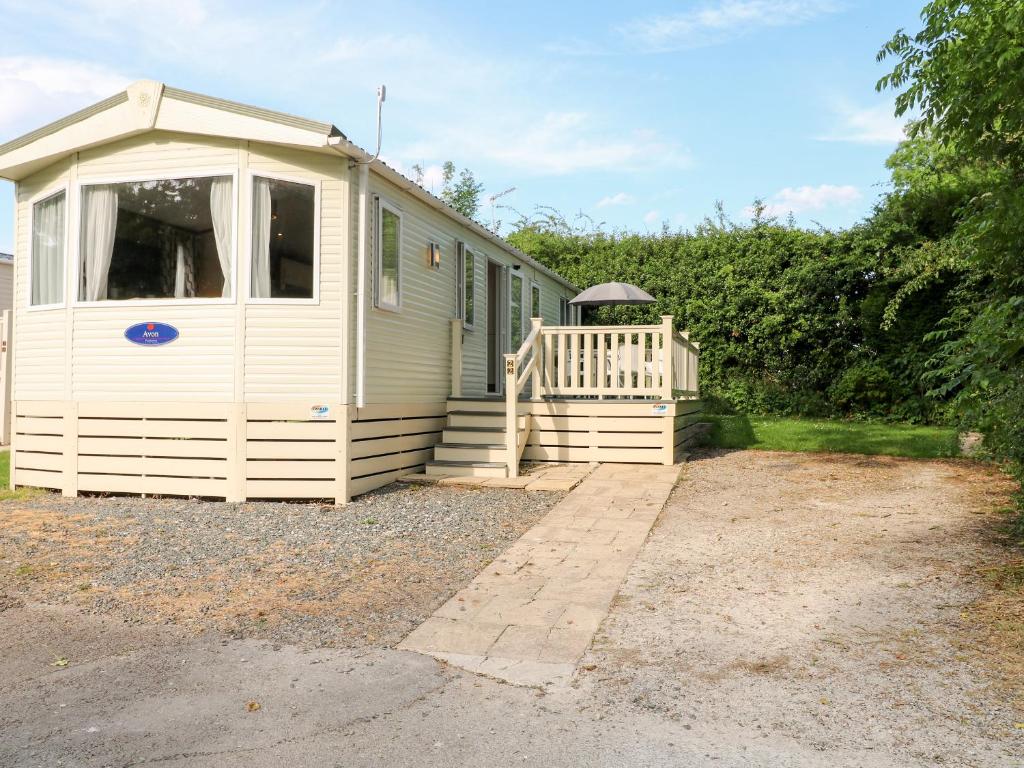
(6, 285)
(408, 357)
(294, 351)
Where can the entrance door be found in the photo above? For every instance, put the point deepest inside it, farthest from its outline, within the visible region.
(497, 319)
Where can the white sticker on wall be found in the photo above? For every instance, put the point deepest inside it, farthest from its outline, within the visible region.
(661, 409)
(319, 412)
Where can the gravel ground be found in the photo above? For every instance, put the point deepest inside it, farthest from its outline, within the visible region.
(309, 574)
(838, 603)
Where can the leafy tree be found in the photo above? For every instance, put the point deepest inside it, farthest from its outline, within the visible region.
(462, 193)
(964, 73)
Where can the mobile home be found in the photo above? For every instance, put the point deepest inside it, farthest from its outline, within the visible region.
(220, 300)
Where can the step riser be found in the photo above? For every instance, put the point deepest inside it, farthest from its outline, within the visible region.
(477, 438)
(448, 453)
(443, 470)
(497, 421)
(491, 406)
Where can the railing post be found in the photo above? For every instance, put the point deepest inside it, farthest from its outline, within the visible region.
(695, 369)
(511, 416)
(667, 343)
(456, 357)
(536, 323)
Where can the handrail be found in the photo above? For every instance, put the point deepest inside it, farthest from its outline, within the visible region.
(631, 361)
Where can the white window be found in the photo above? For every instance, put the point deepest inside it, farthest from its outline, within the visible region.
(46, 265)
(465, 282)
(516, 310)
(389, 257)
(535, 305)
(284, 240)
(564, 317)
(159, 239)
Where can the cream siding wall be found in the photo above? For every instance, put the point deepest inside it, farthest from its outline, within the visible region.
(40, 336)
(294, 351)
(284, 351)
(408, 354)
(198, 365)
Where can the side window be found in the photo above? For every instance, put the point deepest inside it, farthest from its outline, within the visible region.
(47, 259)
(389, 258)
(535, 306)
(465, 281)
(283, 238)
(563, 311)
(516, 311)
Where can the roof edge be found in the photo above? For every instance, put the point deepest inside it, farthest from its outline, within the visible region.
(179, 94)
(75, 117)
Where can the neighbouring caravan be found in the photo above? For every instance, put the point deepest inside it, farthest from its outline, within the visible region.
(218, 300)
(6, 281)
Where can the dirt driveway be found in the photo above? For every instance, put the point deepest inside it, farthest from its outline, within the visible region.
(834, 602)
(787, 610)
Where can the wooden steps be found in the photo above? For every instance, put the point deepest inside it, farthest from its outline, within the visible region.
(473, 442)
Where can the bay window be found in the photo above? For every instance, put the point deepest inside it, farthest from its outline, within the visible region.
(160, 239)
(47, 254)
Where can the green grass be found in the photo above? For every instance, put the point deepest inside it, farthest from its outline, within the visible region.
(772, 433)
(5, 481)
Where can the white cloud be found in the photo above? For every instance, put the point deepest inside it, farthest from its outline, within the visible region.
(377, 47)
(720, 21)
(651, 217)
(36, 90)
(807, 199)
(620, 198)
(558, 143)
(866, 125)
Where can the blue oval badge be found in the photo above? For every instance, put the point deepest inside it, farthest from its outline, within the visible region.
(151, 334)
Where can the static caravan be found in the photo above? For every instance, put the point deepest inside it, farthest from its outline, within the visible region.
(6, 281)
(218, 300)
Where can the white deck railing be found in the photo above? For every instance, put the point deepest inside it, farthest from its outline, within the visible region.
(590, 361)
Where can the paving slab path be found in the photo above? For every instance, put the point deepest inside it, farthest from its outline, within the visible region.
(530, 615)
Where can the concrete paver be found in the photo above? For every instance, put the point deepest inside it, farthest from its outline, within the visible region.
(530, 615)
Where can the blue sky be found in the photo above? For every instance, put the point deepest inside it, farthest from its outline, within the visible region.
(635, 114)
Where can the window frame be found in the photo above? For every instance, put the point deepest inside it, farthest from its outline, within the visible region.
(251, 177)
(46, 194)
(564, 311)
(463, 255)
(540, 299)
(384, 204)
(188, 173)
(514, 274)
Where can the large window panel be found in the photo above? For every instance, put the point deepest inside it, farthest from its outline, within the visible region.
(283, 239)
(389, 258)
(47, 258)
(160, 239)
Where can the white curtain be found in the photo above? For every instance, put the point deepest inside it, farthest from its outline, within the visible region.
(179, 272)
(99, 224)
(221, 200)
(261, 239)
(48, 251)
